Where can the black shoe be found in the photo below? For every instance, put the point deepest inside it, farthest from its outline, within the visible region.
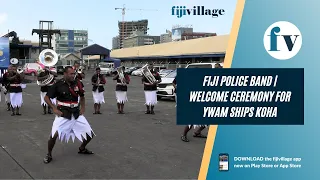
(47, 159)
(147, 112)
(184, 138)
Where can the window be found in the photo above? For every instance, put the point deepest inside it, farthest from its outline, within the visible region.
(173, 74)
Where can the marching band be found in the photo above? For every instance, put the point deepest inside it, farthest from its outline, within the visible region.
(65, 97)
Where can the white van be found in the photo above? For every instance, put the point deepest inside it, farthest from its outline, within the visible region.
(166, 88)
(106, 68)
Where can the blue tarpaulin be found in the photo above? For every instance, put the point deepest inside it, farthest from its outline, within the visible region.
(117, 62)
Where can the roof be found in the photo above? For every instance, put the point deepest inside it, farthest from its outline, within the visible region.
(95, 49)
(70, 54)
(214, 45)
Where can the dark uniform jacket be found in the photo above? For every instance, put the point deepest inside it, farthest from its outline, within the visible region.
(94, 79)
(67, 94)
(151, 87)
(15, 89)
(5, 82)
(46, 88)
(122, 87)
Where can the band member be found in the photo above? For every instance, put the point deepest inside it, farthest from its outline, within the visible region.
(5, 86)
(69, 120)
(121, 90)
(150, 90)
(44, 89)
(15, 90)
(98, 80)
(78, 75)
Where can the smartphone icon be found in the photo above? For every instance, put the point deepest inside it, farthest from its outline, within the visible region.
(223, 162)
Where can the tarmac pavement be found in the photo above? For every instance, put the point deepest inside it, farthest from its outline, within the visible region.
(127, 146)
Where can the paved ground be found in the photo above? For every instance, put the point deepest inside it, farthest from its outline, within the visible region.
(128, 146)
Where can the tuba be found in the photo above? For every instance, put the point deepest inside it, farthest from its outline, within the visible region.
(146, 72)
(48, 58)
(121, 75)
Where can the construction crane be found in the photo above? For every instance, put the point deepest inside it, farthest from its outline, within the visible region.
(123, 9)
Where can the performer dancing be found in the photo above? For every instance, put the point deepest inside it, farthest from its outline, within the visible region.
(69, 120)
(150, 90)
(44, 89)
(121, 90)
(5, 87)
(188, 128)
(98, 80)
(15, 90)
(197, 133)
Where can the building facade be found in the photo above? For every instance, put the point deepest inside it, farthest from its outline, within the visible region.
(126, 28)
(195, 35)
(116, 42)
(164, 38)
(70, 41)
(178, 31)
(138, 38)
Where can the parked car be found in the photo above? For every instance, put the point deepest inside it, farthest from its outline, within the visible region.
(165, 87)
(32, 68)
(137, 72)
(202, 65)
(164, 72)
(131, 69)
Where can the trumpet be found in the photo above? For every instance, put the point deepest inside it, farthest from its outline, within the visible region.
(78, 71)
(19, 70)
(146, 72)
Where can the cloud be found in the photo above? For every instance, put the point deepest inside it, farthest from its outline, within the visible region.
(3, 18)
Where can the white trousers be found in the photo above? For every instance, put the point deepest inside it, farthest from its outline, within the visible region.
(74, 128)
(43, 102)
(121, 97)
(98, 97)
(151, 98)
(16, 99)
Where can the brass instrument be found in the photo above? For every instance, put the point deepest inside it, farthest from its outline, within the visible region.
(15, 61)
(48, 58)
(121, 75)
(78, 71)
(146, 72)
(19, 70)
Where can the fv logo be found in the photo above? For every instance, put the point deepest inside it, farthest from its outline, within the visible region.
(282, 40)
